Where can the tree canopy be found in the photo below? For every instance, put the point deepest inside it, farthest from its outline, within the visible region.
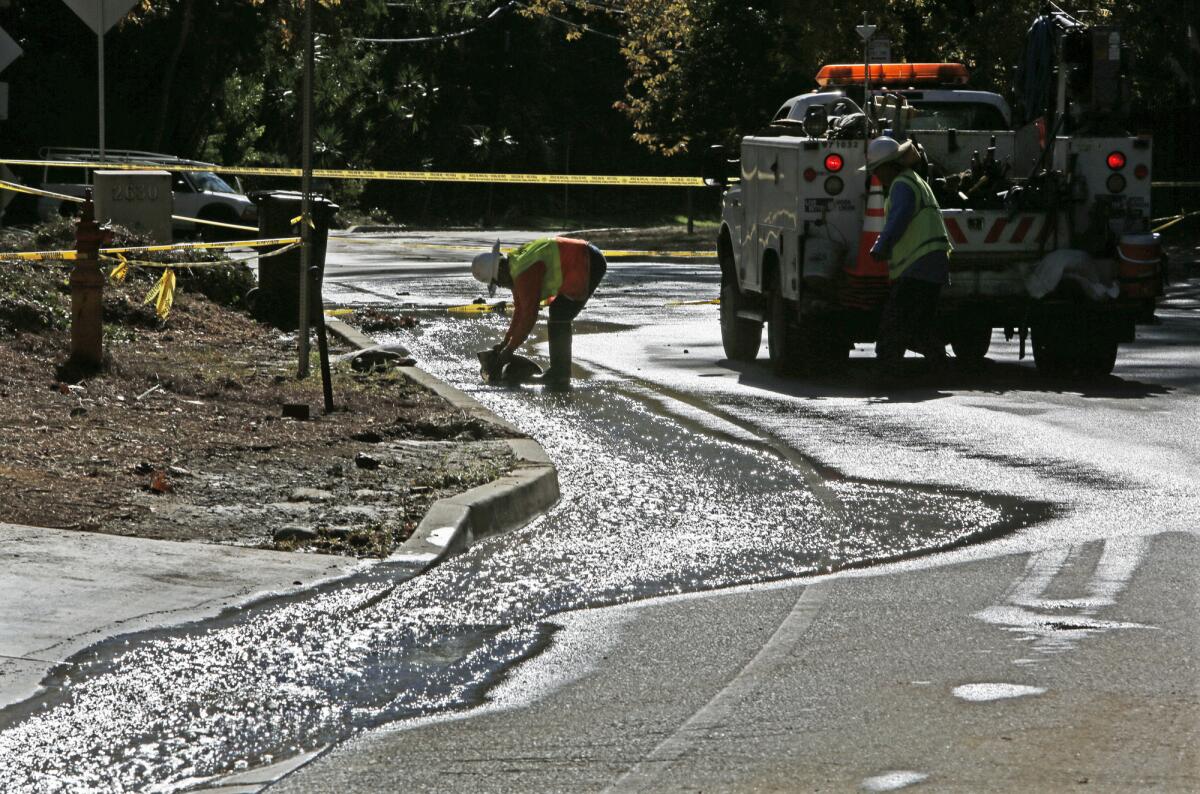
(581, 85)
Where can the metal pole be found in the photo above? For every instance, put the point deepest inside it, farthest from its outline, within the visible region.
(100, 70)
(866, 88)
(306, 193)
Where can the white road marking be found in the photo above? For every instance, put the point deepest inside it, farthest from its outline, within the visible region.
(721, 708)
(891, 781)
(1056, 625)
(980, 693)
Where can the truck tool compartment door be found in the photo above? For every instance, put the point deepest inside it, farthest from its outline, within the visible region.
(771, 193)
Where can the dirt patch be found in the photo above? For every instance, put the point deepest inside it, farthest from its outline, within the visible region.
(183, 436)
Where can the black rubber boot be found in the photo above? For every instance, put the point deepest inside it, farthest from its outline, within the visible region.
(559, 374)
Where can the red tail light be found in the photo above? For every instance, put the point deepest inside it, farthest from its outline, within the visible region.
(834, 163)
(810, 174)
(1116, 161)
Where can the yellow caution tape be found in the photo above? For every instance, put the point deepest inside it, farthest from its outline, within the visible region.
(189, 265)
(69, 256)
(33, 191)
(201, 246)
(479, 308)
(1173, 220)
(339, 312)
(399, 176)
(222, 224)
(162, 294)
(37, 256)
(709, 302)
(676, 254)
(120, 270)
(612, 254)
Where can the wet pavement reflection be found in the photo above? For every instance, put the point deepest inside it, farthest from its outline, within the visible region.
(655, 501)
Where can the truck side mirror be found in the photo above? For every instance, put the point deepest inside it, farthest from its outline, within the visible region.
(716, 166)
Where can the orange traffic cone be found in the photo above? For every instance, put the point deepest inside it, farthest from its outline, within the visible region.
(867, 280)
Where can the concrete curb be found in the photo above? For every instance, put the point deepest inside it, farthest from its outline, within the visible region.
(454, 524)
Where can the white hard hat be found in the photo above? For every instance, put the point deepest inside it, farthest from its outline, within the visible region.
(885, 150)
(486, 266)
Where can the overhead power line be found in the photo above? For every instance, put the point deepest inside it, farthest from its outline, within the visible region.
(458, 34)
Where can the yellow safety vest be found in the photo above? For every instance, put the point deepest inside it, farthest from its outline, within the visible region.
(528, 255)
(926, 231)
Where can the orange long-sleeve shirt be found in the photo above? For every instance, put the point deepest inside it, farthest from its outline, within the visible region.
(529, 288)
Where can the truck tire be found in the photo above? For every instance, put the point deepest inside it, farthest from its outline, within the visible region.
(1050, 349)
(783, 337)
(1099, 353)
(740, 338)
(1088, 349)
(824, 343)
(971, 343)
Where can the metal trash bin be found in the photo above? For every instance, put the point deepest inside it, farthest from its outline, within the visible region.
(276, 298)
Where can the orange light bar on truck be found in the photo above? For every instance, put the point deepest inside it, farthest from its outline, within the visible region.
(893, 74)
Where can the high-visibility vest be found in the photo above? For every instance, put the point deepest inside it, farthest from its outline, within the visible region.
(926, 231)
(567, 265)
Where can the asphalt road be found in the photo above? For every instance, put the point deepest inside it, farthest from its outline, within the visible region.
(1060, 655)
(977, 582)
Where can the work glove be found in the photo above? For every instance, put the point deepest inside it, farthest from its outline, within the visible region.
(880, 252)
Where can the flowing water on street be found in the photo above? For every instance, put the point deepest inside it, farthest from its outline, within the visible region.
(652, 503)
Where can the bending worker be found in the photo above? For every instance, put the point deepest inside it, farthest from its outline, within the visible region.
(915, 243)
(561, 270)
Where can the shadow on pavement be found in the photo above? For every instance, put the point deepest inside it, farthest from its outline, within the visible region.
(917, 384)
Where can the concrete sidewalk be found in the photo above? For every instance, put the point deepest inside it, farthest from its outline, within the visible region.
(64, 591)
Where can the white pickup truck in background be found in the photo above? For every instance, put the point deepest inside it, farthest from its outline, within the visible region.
(198, 191)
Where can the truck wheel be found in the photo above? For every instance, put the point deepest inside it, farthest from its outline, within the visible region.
(1099, 351)
(824, 344)
(741, 338)
(970, 343)
(783, 338)
(1086, 349)
(1049, 351)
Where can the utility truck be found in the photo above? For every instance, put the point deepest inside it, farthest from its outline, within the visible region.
(1048, 214)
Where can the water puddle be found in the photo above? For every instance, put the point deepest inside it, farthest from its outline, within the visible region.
(653, 504)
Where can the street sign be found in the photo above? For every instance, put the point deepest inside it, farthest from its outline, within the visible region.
(100, 15)
(866, 31)
(9, 50)
(879, 51)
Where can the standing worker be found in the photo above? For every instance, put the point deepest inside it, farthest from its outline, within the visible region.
(915, 242)
(561, 270)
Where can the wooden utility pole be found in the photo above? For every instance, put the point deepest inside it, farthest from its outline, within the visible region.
(306, 193)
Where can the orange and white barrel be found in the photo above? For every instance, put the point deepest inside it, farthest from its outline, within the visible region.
(866, 283)
(872, 227)
(1139, 265)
